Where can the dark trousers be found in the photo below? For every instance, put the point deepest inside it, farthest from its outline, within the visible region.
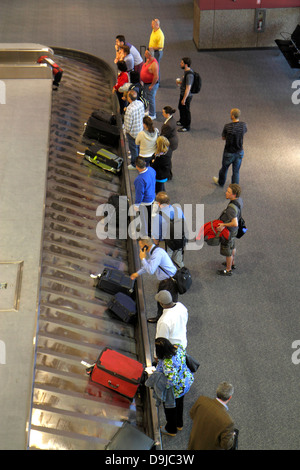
(146, 217)
(185, 113)
(174, 416)
(159, 187)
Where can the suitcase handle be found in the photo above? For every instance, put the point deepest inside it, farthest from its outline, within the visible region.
(112, 385)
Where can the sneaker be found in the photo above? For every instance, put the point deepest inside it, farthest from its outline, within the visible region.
(131, 167)
(224, 272)
(216, 180)
(163, 431)
(183, 129)
(152, 117)
(178, 123)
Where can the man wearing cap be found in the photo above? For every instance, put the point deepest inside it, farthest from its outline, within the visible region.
(173, 322)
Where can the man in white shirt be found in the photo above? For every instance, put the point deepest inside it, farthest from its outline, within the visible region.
(173, 322)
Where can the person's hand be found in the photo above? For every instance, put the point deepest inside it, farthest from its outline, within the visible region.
(220, 227)
(134, 276)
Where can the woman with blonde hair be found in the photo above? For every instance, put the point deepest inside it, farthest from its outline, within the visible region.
(162, 163)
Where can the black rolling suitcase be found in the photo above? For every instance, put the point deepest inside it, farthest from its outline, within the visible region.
(113, 281)
(104, 116)
(123, 306)
(103, 158)
(105, 133)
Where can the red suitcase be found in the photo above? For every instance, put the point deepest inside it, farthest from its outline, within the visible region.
(117, 372)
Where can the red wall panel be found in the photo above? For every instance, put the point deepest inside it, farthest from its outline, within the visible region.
(246, 4)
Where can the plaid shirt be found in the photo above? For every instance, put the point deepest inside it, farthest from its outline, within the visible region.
(133, 119)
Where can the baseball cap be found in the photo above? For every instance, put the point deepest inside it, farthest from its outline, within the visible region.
(164, 297)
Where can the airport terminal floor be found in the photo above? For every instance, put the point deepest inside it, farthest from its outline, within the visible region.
(243, 329)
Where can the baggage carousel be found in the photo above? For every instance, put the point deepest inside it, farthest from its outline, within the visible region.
(73, 324)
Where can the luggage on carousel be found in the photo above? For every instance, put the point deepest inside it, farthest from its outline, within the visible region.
(117, 372)
(123, 306)
(104, 116)
(101, 131)
(113, 281)
(103, 158)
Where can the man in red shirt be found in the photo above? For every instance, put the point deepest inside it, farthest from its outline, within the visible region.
(149, 76)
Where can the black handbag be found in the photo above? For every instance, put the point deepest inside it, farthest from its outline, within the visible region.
(192, 363)
(183, 279)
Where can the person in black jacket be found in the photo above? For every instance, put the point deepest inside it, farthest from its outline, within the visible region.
(168, 129)
(162, 163)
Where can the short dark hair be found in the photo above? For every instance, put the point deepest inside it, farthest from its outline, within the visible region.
(121, 64)
(121, 38)
(164, 348)
(140, 163)
(236, 189)
(187, 61)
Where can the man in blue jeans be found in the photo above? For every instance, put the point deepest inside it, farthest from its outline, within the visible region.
(233, 133)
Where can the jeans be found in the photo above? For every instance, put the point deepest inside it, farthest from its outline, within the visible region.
(134, 149)
(150, 96)
(184, 111)
(234, 159)
(158, 56)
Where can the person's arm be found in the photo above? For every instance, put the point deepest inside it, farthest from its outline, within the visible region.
(139, 192)
(234, 223)
(154, 69)
(150, 265)
(227, 438)
(186, 94)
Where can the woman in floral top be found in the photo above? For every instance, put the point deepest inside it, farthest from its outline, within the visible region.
(172, 363)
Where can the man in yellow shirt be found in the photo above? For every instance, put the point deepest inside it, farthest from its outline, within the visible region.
(157, 41)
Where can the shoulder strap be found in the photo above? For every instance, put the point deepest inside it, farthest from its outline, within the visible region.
(152, 249)
(237, 207)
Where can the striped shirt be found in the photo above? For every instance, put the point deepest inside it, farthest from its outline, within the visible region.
(234, 133)
(133, 119)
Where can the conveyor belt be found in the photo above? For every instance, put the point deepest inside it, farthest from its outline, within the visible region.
(73, 325)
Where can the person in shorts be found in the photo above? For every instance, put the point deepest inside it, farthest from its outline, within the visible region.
(230, 219)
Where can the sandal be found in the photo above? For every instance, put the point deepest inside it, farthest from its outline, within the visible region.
(164, 431)
(232, 267)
